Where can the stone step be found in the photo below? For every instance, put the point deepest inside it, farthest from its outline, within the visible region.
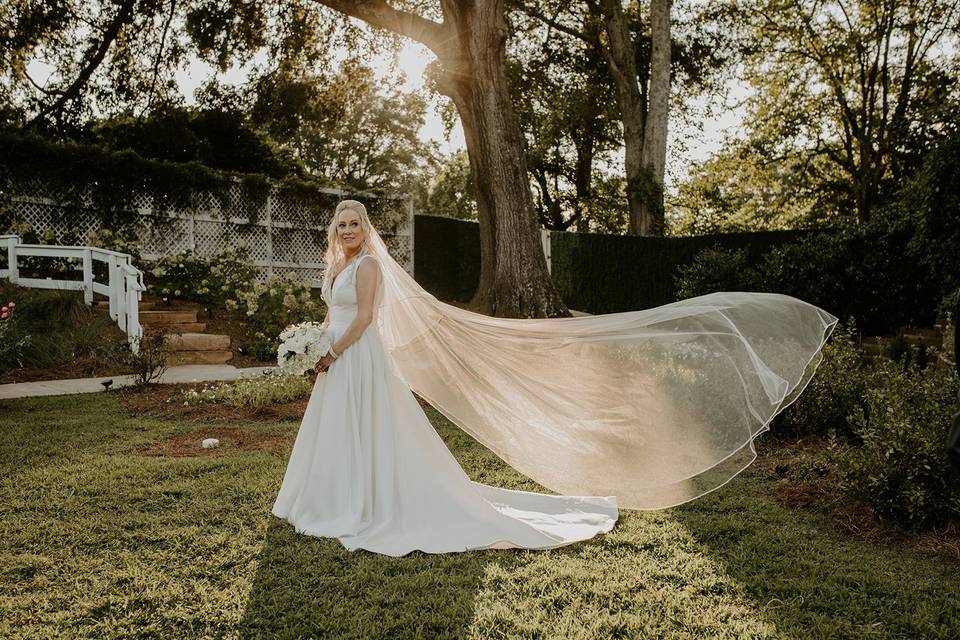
(167, 317)
(179, 327)
(195, 341)
(199, 357)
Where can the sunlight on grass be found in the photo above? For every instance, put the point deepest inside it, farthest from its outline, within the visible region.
(98, 540)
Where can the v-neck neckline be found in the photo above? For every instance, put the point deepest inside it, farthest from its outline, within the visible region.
(339, 273)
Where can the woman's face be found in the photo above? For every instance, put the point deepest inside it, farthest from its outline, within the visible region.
(349, 230)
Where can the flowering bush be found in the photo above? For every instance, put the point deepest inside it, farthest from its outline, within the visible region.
(215, 280)
(252, 392)
(273, 305)
(13, 337)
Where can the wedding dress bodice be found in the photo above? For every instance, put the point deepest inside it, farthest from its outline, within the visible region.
(341, 295)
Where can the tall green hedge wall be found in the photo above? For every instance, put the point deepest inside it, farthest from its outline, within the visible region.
(594, 273)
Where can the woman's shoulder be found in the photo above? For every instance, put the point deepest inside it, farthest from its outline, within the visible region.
(372, 262)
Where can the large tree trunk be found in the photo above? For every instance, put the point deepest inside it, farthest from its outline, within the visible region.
(643, 111)
(622, 61)
(514, 280)
(470, 47)
(658, 111)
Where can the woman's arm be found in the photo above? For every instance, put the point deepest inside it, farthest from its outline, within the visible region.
(368, 275)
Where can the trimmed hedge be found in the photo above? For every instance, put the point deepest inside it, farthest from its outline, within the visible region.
(446, 256)
(636, 272)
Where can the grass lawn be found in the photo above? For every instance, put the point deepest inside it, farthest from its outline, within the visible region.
(102, 535)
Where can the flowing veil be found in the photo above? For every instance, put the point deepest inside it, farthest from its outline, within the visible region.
(656, 407)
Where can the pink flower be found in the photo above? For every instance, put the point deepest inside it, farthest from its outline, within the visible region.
(11, 304)
(3, 310)
(4, 314)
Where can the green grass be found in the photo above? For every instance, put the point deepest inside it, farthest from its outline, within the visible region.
(97, 541)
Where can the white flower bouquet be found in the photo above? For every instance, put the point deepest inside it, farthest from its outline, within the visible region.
(301, 346)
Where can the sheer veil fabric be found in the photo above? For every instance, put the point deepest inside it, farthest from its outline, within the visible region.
(656, 407)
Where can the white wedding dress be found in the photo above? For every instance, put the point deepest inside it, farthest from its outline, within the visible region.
(368, 468)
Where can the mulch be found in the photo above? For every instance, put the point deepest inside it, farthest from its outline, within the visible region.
(232, 440)
(166, 401)
(823, 496)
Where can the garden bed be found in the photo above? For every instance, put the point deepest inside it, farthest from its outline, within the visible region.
(799, 475)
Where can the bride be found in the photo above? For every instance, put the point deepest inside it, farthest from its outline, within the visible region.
(649, 409)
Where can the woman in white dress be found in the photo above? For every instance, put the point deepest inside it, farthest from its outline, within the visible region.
(367, 466)
(644, 409)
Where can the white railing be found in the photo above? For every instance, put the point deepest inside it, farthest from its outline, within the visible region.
(123, 288)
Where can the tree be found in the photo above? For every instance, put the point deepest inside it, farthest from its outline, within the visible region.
(642, 91)
(561, 91)
(856, 82)
(343, 127)
(450, 192)
(738, 189)
(469, 41)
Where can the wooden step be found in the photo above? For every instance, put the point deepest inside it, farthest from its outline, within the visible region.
(199, 357)
(196, 341)
(167, 317)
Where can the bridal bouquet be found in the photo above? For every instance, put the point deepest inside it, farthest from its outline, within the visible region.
(301, 346)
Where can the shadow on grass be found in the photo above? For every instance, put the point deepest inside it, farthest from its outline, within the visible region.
(810, 580)
(309, 587)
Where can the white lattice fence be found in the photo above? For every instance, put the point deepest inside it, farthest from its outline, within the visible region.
(284, 230)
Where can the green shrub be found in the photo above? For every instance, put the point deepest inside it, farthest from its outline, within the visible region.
(216, 280)
(901, 467)
(149, 363)
(60, 327)
(716, 269)
(253, 392)
(273, 305)
(834, 393)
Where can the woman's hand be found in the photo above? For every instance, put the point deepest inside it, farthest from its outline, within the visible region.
(324, 363)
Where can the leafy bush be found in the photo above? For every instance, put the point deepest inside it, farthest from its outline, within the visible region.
(215, 280)
(59, 328)
(150, 361)
(253, 392)
(901, 468)
(716, 269)
(273, 305)
(834, 393)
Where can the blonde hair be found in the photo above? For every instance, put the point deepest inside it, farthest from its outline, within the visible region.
(334, 256)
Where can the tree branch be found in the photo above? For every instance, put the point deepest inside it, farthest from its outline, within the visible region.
(123, 16)
(378, 13)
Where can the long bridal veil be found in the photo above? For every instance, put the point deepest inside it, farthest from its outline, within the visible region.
(656, 407)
